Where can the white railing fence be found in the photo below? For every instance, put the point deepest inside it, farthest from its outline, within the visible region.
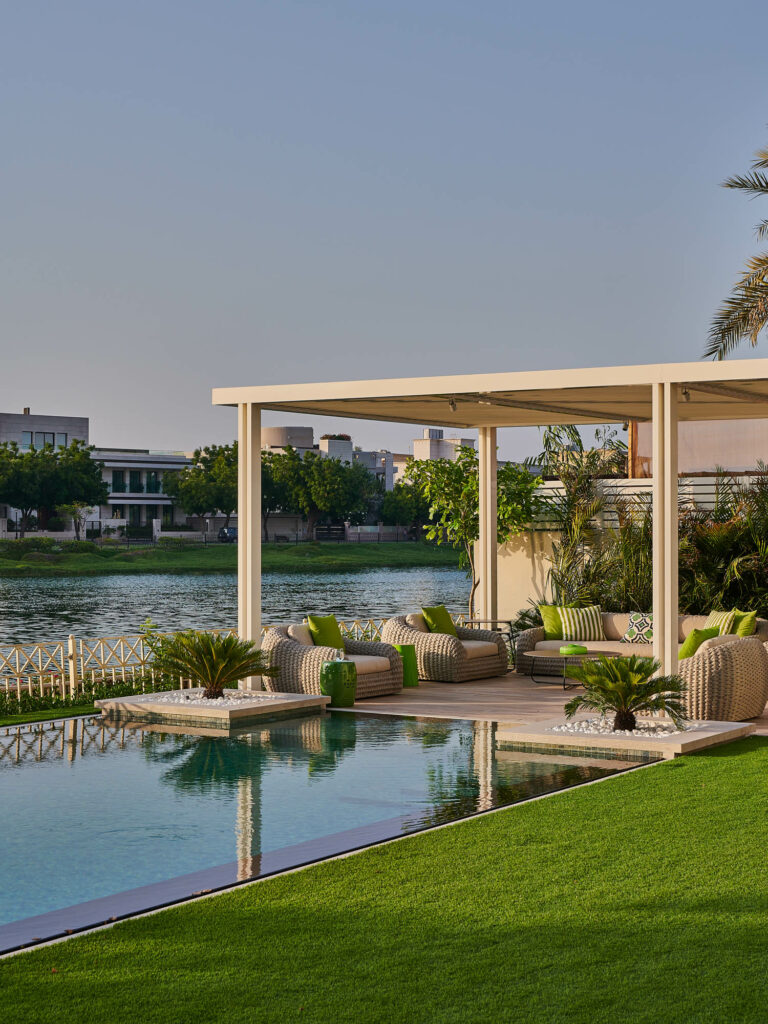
(66, 667)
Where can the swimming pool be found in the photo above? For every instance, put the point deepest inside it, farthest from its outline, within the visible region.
(100, 821)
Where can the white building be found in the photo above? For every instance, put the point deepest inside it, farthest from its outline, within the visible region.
(134, 477)
(432, 445)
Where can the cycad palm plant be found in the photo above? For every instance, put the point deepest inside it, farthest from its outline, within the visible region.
(625, 687)
(210, 660)
(745, 312)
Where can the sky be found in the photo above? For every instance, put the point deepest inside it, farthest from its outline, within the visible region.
(199, 195)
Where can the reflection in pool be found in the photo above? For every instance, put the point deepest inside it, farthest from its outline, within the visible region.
(109, 820)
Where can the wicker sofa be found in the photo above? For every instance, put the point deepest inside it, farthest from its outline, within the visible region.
(727, 679)
(292, 651)
(614, 626)
(471, 654)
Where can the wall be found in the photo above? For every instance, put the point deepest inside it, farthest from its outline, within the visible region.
(522, 571)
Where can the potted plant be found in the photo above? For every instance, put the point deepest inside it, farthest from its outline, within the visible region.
(210, 660)
(624, 687)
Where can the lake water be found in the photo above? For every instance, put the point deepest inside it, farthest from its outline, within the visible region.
(49, 609)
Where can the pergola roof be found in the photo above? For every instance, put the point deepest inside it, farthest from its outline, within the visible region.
(710, 391)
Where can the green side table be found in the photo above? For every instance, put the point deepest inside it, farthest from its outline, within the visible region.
(410, 666)
(338, 680)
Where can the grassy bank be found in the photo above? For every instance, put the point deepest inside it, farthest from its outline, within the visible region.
(640, 899)
(223, 558)
(47, 716)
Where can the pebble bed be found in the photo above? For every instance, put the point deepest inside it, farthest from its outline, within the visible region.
(604, 726)
(231, 700)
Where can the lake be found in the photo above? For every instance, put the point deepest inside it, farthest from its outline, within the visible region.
(49, 609)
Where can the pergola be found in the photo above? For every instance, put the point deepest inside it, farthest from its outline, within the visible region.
(662, 394)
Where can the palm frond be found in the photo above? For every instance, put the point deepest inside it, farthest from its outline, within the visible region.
(755, 183)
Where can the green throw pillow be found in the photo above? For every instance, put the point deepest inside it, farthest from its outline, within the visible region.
(744, 623)
(325, 631)
(639, 629)
(723, 620)
(695, 639)
(438, 620)
(553, 624)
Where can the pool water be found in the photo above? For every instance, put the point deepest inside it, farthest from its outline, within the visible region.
(100, 821)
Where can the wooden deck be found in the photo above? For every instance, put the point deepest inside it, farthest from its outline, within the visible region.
(510, 698)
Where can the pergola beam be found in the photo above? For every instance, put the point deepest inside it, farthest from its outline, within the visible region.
(593, 415)
(727, 391)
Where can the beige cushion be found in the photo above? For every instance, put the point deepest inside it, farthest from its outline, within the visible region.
(301, 635)
(417, 622)
(480, 649)
(717, 641)
(367, 663)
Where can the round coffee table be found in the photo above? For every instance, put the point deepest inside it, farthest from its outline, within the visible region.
(555, 655)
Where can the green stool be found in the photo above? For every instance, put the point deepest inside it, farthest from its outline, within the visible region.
(410, 667)
(338, 680)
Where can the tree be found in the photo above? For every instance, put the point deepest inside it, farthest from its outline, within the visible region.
(41, 479)
(323, 488)
(745, 312)
(451, 489)
(404, 506)
(275, 493)
(209, 484)
(626, 687)
(77, 512)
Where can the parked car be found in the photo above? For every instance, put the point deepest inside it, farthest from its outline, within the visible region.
(228, 535)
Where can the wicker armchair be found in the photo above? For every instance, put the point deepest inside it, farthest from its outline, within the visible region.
(299, 663)
(449, 659)
(727, 682)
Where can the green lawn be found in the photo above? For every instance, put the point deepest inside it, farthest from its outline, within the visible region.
(223, 558)
(639, 899)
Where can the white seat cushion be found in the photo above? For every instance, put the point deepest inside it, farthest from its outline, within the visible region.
(367, 663)
(480, 649)
(301, 635)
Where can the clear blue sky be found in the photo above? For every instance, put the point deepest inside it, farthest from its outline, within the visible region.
(199, 194)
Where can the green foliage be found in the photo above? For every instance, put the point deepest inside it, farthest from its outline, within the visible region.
(450, 489)
(79, 547)
(625, 687)
(404, 505)
(29, 703)
(744, 313)
(209, 484)
(209, 660)
(322, 488)
(47, 478)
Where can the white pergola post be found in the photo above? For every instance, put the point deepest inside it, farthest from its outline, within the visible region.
(487, 553)
(249, 527)
(665, 529)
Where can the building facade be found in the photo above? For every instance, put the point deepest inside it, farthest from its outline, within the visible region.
(431, 445)
(332, 446)
(135, 478)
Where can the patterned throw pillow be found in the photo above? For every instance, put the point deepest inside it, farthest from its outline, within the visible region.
(582, 623)
(724, 621)
(640, 628)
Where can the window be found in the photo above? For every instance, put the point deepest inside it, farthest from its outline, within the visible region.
(118, 482)
(42, 438)
(117, 512)
(61, 440)
(154, 486)
(151, 514)
(167, 515)
(26, 440)
(136, 486)
(134, 515)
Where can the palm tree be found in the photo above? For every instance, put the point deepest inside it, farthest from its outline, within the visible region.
(209, 660)
(625, 687)
(745, 312)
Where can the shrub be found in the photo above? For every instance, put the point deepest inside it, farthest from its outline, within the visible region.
(625, 687)
(56, 525)
(209, 660)
(79, 547)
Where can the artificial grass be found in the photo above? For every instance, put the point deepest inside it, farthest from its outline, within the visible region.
(639, 899)
(50, 715)
(316, 556)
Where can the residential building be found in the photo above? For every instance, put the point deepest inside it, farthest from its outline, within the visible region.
(431, 445)
(135, 477)
(332, 446)
(33, 431)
